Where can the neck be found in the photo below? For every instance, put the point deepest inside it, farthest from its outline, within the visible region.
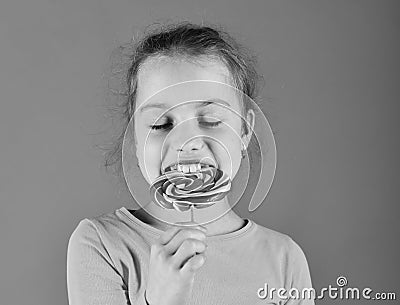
(218, 218)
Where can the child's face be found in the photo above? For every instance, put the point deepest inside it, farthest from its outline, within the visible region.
(167, 133)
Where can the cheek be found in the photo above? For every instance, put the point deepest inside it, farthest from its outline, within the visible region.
(228, 152)
(148, 152)
(235, 156)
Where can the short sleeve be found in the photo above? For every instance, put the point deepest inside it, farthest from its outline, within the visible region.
(299, 278)
(92, 278)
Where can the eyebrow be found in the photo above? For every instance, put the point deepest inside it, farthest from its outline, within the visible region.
(201, 103)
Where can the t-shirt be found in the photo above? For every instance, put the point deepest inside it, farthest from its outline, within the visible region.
(108, 259)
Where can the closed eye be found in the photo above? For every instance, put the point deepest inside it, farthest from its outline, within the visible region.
(210, 124)
(162, 126)
(209, 121)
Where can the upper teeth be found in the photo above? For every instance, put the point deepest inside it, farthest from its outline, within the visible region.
(188, 168)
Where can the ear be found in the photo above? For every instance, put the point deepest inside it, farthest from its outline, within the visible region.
(248, 131)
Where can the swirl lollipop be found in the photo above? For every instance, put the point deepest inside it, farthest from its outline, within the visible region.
(182, 191)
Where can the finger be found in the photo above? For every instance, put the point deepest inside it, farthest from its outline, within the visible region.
(172, 231)
(179, 238)
(193, 263)
(188, 248)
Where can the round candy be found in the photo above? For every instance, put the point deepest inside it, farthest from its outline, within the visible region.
(178, 190)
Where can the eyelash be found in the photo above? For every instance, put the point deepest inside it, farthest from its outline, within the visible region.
(163, 126)
(169, 125)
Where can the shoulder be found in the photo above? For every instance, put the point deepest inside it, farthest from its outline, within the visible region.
(285, 252)
(110, 231)
(95, 227)
(89, 234)
(279, 243)
(96, 261)
(86, 248)
(99, 233)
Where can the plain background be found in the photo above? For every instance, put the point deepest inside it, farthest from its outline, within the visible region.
(332, 89)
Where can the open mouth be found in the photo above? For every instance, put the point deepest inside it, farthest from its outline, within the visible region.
(187, 167)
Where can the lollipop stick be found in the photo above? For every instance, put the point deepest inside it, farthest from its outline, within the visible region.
(191, 222)
(192, 213)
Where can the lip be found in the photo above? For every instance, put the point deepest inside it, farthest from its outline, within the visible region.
(190, 161)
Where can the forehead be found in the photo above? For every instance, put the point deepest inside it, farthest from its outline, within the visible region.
(173, 81)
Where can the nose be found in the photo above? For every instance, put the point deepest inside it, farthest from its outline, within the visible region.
(191, 145)
(186, 139)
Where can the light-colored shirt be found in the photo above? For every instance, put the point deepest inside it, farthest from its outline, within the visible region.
(108, 259)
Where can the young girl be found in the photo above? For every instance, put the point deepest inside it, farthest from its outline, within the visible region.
(142, 256)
